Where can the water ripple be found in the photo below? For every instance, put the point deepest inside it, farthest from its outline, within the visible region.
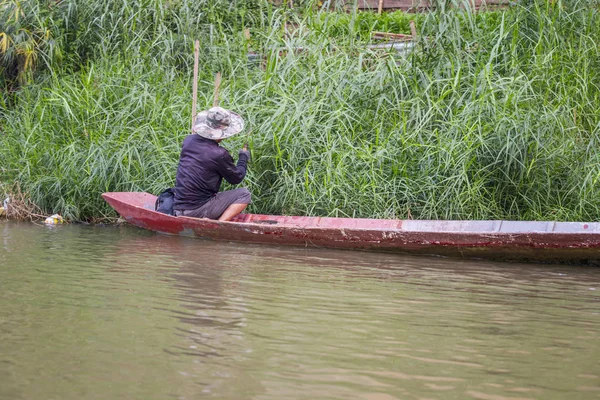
(117, 312)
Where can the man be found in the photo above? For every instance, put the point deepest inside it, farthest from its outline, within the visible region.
(203, 164)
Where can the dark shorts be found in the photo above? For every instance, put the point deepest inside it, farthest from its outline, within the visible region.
(217, 205)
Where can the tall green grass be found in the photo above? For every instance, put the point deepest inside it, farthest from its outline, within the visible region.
(492, 116)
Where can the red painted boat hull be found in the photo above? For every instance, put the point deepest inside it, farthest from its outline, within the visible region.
(533, 241)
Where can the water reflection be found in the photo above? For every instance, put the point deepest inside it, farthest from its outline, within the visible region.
(118, 312)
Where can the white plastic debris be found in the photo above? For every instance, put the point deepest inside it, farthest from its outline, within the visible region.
(54, 220)
(4, 208)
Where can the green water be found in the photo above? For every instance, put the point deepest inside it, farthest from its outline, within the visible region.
(120, 313)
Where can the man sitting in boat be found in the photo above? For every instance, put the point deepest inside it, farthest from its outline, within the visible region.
(203, 164)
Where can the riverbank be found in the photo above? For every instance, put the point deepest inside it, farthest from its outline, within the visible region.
(493, 116)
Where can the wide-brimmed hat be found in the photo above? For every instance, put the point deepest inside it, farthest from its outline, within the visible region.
(218, 123)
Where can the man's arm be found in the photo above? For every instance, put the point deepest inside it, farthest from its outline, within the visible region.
(232, 173)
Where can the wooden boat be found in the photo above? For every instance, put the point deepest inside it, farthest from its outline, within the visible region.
(534, 241)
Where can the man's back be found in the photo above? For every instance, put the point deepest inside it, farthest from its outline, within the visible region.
(202, 165)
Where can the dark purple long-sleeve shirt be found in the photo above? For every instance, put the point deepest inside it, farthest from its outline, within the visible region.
(202, 166)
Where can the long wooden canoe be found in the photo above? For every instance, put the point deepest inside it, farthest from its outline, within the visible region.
(532, 241)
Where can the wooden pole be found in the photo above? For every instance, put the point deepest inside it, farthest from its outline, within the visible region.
(380, 8)
(195, 83)
(413, 30)
(216, 92)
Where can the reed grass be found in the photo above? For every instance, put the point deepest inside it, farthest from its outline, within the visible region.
(492, 116)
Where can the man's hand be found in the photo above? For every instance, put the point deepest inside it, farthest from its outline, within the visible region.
(245, 151)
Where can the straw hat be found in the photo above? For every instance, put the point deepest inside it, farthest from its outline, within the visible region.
(218, 123)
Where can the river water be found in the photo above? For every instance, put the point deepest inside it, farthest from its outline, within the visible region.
(105, 312)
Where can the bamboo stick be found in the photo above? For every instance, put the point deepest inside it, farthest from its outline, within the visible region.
(195, 83)
(380, 8)
(216, 92)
